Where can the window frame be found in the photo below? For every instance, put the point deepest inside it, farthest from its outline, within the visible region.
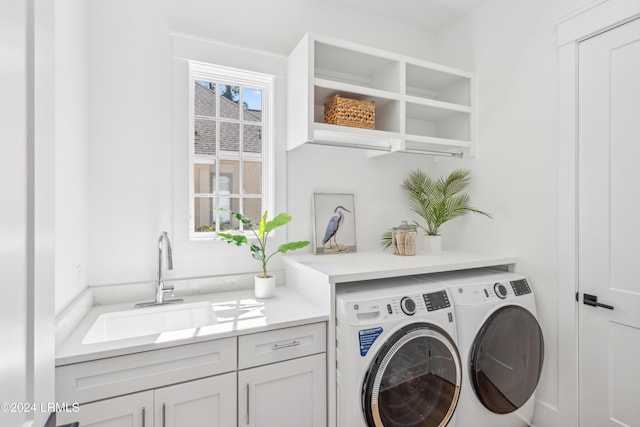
(245, 79)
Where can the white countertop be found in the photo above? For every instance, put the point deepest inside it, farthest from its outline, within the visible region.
(238, 313)
(378, 265)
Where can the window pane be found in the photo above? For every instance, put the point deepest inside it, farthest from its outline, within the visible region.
(229, 137)
(204, 215)
(229, 102)
(252, 138)
(205, 98)
(227, 221)
(252, 104)
(253, 210)
(230, 171)
(204, 137)
(252, 174)
(204, 178)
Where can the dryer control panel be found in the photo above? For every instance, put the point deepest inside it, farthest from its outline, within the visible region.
(490, 291)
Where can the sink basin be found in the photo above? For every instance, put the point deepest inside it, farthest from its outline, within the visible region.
(149, 321)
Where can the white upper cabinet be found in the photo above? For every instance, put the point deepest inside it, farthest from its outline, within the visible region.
(419, 106)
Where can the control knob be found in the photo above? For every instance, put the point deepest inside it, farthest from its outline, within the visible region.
(408, 306)
(500, 290)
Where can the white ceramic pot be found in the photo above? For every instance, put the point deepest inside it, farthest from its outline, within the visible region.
(432, 243)
(264, 287)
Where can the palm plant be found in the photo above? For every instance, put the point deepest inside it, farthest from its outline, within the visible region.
(438, 201)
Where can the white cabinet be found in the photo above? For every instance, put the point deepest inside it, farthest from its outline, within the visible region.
(133, 410)
(210, 402)
(285, 381)
(282, 371)
(114, 376)
(420, 106)
(285, 394)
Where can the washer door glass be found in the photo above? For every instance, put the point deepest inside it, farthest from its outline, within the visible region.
(506, 359)
(414, 381)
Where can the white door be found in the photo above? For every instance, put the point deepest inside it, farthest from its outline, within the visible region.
(609, 227)
(210, 402)
(284, 394)
(133, 410)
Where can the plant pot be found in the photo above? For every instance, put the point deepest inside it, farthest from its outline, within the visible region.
(432, 243)
(264, 287)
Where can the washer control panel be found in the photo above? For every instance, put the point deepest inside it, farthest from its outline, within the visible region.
(436, 300)
(520, 287)
(367, 311)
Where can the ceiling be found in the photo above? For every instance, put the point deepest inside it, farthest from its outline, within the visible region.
(430, 15)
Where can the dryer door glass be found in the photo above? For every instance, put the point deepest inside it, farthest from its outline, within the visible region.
(414, 379)
(506, 359)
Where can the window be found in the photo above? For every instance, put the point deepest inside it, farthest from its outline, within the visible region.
(230, 150)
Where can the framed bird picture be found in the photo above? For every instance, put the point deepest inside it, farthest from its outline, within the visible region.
(334, 223)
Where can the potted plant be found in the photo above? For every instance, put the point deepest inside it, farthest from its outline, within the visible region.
(438, 201)
(265, 283)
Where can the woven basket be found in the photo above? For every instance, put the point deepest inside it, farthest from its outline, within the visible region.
(350, 112)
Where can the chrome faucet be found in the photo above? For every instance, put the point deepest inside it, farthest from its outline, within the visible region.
(161, 289)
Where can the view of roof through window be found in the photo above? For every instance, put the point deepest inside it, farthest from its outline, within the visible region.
(227, 154)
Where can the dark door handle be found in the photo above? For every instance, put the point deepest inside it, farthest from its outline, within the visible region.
(592, 300)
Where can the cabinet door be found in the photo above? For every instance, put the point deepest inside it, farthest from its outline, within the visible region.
(209, 402)
(133, 410)
(284, 394)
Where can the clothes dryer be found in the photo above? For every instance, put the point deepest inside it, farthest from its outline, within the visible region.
(397, 359)
(501, 346)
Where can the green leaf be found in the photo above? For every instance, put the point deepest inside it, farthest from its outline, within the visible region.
(441, 200)
(263, 222)
(292, 246)
(257, 252)
(386, 240)
(237, 215)
(237, 239)
(280, 219)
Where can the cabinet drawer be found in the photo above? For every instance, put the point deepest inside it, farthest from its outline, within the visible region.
(114, 376)
(282, 344)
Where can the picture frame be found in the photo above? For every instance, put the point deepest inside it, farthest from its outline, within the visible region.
(334, 224)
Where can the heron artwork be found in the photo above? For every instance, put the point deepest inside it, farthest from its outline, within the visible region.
(329, 240)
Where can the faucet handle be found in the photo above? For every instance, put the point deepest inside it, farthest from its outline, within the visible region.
(169, 289)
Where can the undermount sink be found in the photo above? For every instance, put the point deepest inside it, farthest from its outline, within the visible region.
(146, 321)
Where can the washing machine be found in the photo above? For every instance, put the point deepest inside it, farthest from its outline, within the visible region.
(501, 346)
(397, 358)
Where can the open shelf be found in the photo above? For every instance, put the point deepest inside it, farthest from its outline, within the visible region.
(434, 83)
(387, 110)
(354, 67)
(420, 106)
(430, 121)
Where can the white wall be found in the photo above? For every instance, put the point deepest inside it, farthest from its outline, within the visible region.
(26, 209)
(13, 212)
(71, 155)
(511, 45)
(132, 96)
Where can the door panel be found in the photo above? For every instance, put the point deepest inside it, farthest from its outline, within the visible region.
(414, 379)
(133, 410)
(506, 359)
(285, 394)
(609, 176)
(209, 402)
